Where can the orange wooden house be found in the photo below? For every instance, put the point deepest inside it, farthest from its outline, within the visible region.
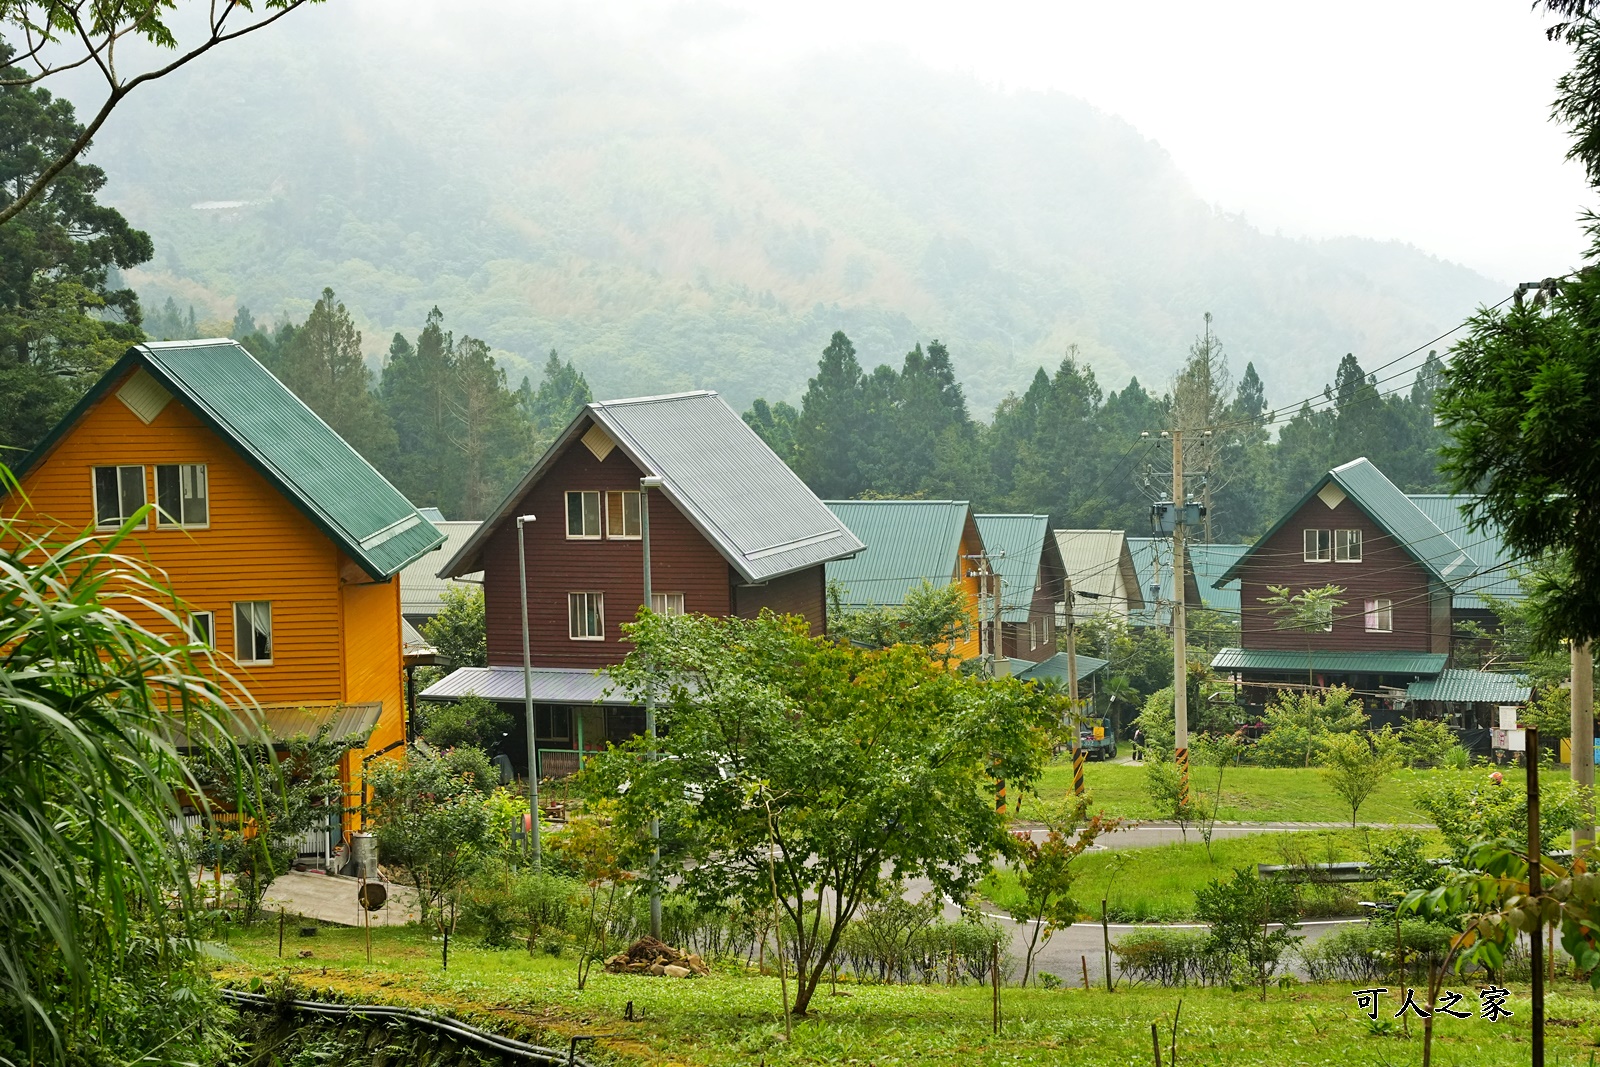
(281, 542)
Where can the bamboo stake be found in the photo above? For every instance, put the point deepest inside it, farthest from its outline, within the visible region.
(994, 980)
(280, 933)
(1155, 1042)
(777, 924)
(1085, 961)
(1530, 757)
(1105, 936)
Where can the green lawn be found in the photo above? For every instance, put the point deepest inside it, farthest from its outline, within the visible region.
(1157, 884)
(731, 1018)
(1252, 794)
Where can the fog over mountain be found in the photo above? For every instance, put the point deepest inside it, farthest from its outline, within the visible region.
(549, 186)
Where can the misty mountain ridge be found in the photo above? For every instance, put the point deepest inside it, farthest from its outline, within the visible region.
(573, 193)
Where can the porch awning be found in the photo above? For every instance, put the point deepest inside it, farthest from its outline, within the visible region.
(1457, 686)
(346, 722)
(1279, 660)
(551, 685)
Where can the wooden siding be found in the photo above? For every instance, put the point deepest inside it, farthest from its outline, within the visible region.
(682, 561)
(373, 657)
(1385, 571)
(966, 574)
(802, 593)
(257, 546)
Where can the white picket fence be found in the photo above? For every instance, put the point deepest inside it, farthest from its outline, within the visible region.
(317, 842)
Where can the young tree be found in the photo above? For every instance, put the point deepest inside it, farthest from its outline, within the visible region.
(875, 763)
(62, 320)
(458, 632)
(1356, 765)
(936, 618)
(52, 32)
(433, 822)
(325, 368)
(1309, 612)
(1242, 913)
(278, 797)
(1298, 724)
(1044, 869)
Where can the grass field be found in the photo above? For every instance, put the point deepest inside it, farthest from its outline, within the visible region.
(734, 1018)
(1253, 794)
(1157, 884)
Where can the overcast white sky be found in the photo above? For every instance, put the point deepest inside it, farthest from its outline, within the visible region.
(1420, 120)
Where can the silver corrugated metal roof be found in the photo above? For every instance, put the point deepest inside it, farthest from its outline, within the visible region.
(716, 470)
(1094, 559)
(908, 542)
(551, 685)
(421, 588)
(345, 721)
(1015, 547)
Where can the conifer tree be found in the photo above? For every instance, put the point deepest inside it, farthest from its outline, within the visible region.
(828, 436)
(324, 367)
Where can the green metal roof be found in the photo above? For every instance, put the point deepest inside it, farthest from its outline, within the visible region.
(1365, 485)
(1491, 573)
(284, 441)
(1015, 547)
(1055, 668)
(1457, 686)
(1210, 563)
(908, 541)
(1288, 660)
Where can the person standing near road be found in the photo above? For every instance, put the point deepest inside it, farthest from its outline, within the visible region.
(1138, 744)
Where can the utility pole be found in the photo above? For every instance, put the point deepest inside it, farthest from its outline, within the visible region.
(645, 485)
(1180, 672)
(1076, 722)
(1583, 741)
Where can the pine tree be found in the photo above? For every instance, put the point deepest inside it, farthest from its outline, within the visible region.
(774, 424)
(489, 435)
(418, 388)
(831, 428)
(562, 393)
(324, 367)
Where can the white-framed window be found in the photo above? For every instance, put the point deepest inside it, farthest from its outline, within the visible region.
(118, 493)
(1347, 546)
(583, 516)
(1318, 545)
(666, 603)
(252, 631)
(586, 616)
(181, 495)
(622, 514)
(1035, 633)
(203, 628)
(1380, 616)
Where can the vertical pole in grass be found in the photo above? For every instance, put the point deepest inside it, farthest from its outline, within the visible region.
(1105, 937)
(994, 980)
(1085, 961)
(1155, 1042)
(280, 933)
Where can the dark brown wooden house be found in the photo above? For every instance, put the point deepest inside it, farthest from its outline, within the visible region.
(732, 531)
(1405, 583)
(1024, 553)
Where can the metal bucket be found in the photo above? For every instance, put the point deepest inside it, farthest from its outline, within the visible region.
(363, 857)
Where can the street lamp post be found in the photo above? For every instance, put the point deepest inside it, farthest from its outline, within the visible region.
(527, 696)
(645, 485)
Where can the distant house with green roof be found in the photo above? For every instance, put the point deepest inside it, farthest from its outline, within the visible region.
(910, 542)
(282, 544)
(1022, 550)
(1409, 572)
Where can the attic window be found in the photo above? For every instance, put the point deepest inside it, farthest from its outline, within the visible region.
(1331, 495)
(599, 442)
(143, 396)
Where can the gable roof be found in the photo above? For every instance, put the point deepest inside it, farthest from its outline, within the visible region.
(1094, 559)
(1015, 547)
(1365, 486)
(283, 439)
(715, 469)
(1491, 573)
(907, 542)
(1457, 686)
(421, 589)
(1209, 562)
(1153, 553)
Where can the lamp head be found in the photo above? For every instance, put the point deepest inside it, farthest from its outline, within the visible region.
(650, 482)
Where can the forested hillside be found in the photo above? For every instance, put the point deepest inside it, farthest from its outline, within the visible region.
(552, 188)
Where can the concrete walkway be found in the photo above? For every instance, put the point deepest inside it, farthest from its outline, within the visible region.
(332, 898)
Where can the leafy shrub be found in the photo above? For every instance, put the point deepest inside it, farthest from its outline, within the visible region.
(1167, 957)
(1427, 743)
(1297, 722)
(1239, 912)
(715, 931)
(1363, 953)
(1468, 810)
(472, 720)
(965, 947)
(885, 937)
